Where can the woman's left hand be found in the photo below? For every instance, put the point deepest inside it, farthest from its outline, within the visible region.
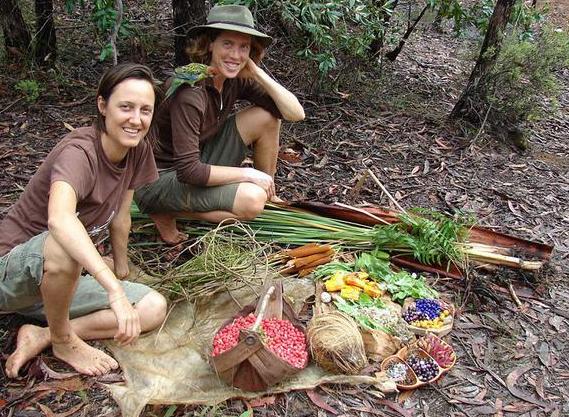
(249, 70)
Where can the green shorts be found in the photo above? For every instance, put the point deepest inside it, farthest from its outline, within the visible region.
(21, 272)
(168, 194)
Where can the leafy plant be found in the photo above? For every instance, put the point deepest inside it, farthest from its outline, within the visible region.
(402, 285)
(104, 16)
(360, 311)
(525, 71)
(30, 88)
(429, 236)
(524, 17)
(327, 29)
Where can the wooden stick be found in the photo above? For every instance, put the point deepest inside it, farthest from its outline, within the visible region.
(305, 272)
(301, 262)
(318, 262)
(497, 259)
(264, 304)
(481, 247)
(514, 295)
(386, 192)
(307, 250)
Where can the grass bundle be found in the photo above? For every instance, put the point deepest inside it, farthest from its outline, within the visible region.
(229, 258)
(336, 343)
(429, 237)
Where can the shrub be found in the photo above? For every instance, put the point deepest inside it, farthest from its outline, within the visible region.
(30, 88)
(525, 73)
(327, 29)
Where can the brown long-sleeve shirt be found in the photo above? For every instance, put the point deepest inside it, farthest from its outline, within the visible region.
(193, 116)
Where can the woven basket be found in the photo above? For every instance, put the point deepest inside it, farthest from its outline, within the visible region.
(250, 365)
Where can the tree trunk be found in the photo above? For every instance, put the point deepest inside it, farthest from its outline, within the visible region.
(116, 28)
(46, 47)
(17, 38)
(392, 56)
(472, 104)
(376, 45)
(186, 13)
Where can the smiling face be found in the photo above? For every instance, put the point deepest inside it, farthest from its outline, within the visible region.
(230, 52)
(128, 114)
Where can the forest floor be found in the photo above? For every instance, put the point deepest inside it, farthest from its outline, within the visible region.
(511, 332)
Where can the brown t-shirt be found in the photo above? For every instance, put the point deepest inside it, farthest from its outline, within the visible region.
(193, 116)
(100, 186)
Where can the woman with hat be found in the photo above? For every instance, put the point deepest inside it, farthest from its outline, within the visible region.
(200, 145)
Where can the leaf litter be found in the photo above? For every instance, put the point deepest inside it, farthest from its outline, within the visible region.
(425, 164)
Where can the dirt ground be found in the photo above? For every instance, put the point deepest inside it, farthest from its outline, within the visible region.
(511, 329)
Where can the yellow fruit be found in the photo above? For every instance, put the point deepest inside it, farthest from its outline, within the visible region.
(335, 283)
(373, 290)
(350, 293)
(352, 279)
(362, 275)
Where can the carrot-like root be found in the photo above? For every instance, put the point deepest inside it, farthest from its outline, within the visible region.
(307, 250)
(313, 256)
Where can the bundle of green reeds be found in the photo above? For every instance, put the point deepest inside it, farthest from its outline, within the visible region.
(430, 240)
(428, 236)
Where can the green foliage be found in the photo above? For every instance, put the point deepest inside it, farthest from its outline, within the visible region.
(104, 17)
(430, 236)
(327, 29)
(30, 88)
(372, 264)
(358, 311)
(402, 285)
(450, 9)
(523, 19)
(525, 73)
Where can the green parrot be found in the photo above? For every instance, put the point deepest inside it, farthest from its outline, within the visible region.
(189, 74)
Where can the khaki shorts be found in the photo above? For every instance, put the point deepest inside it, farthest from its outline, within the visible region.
(168, 194)
(21, 272)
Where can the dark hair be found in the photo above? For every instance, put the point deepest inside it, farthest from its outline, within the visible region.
(198, 50)
(116, 75)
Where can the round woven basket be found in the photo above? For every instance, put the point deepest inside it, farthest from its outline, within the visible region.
(336, 343)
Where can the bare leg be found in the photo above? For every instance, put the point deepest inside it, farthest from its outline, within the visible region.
(249, 202)
(58, 285)
(32, 340)
(261, 129)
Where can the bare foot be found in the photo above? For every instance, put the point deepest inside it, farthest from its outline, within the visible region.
(178, 238)
(84, 358)
(276, 199)
(166, 225)
(31, 341)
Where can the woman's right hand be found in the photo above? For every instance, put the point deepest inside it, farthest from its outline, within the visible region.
(262, 179)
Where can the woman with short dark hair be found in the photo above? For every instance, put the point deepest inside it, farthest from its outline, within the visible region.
(200, 145)
(81, 193)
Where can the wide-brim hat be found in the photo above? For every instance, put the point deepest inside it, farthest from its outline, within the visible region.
(231, 17)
